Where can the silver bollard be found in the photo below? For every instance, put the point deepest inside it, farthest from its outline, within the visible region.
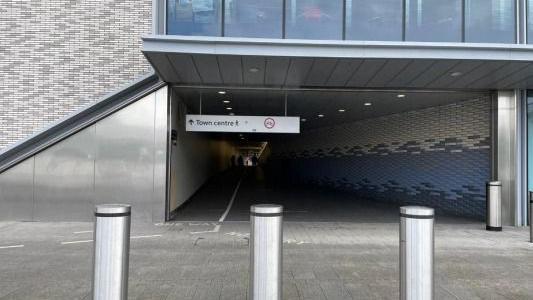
(111, 251)
(494, 206)
(266, 241)
(416, 253)
(530, 217)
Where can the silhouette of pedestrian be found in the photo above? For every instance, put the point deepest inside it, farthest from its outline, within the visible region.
(233, 161)
(254, 160)
(240, 161)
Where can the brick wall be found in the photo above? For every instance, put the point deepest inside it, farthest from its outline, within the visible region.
(438, 156)
(57, 56)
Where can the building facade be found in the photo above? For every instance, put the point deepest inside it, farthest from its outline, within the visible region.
(463, 68)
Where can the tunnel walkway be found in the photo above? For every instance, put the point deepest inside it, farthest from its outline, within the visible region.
(301, 204)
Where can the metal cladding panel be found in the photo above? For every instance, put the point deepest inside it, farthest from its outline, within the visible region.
(124, 166)
(507, 158)
(64, 179)
(16, 192)
(160, 154)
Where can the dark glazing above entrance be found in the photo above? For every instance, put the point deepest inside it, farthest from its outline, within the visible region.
(473, 21)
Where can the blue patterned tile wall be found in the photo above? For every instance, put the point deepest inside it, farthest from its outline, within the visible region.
(439, 157)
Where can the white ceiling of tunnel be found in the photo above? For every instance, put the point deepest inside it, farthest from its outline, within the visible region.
(310, 104)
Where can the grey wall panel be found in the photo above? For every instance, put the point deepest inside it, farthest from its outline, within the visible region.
(161, 124)
(16, 192)
(124, 166)
(64, 179)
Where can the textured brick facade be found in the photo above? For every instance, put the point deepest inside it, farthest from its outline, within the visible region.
(57, 56)
(438, 156)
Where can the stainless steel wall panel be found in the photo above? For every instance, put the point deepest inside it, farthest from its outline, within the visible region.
(161, 133)
(124, 166)
(16, 192)
(507, 143)
(64, 179)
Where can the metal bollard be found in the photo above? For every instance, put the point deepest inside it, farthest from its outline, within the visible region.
(416, 253)
(266, 241)
(494, 206)
(530, 217)
(111, 251)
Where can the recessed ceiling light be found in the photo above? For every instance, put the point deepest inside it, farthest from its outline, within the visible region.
(320, 115)
(400, 96)
(229, 108)
(368, 103)
(226, 101)
(303, 120)
(254, 70)
(222, 92)
(455, 74)
(231, 114)
(342, 110)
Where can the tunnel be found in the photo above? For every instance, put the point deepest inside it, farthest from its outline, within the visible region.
(358, 156)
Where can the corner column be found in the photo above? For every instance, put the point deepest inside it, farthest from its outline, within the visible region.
(509, 155)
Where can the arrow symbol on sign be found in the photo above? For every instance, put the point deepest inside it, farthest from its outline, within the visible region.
(191, 122)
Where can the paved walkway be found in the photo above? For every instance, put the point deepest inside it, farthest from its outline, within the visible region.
(192, 259)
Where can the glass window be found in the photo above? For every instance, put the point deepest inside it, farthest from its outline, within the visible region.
(433, 20)
(253, 18)
(490, 21)
(194, 17)
(530, 21)
(314, 19)
(375, 20)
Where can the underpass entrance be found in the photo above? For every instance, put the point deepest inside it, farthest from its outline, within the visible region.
(357, 157)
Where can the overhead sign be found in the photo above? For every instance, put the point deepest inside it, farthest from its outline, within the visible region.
(223, 123)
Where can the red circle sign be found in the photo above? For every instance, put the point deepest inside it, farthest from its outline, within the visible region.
(270, 123)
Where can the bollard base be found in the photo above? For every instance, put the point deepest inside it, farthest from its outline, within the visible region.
(490, 228)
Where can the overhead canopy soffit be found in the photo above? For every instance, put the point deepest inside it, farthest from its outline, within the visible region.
(216, 61)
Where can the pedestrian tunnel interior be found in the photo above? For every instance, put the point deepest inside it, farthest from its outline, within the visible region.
(360, 154)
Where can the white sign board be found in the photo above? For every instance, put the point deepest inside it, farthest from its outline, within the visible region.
(223, 123)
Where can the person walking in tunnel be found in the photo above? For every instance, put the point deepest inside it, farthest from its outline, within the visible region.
(254, 160)
(240, 161)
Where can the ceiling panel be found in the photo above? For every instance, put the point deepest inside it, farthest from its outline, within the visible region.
(298, 70)
(255, 62)
(365, 72)
(320, 71)
(388, 72)
(514, 78)
(164, 67)
(481, 71)
(411, 71)
(231, 69)
(343, 71)
(432, 72)
(462, 68)
(491, 78)
(207, 66)
(276, 70)
(185, 67)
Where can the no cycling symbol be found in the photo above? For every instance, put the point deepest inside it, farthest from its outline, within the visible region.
(270, 123)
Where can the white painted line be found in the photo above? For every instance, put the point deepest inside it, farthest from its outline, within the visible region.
(76, 242)
(87, 231)
(14, 246)
(223, 217)
(146, 236)
(216, 229)
(132, 237)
